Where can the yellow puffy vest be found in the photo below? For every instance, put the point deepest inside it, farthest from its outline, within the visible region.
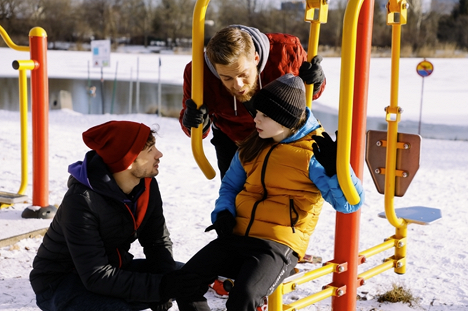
(291, 209)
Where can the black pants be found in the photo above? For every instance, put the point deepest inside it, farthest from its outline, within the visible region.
(257, 266)
(70, 294)
(225, 150)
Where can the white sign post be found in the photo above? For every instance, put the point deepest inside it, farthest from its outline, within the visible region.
(101, 50)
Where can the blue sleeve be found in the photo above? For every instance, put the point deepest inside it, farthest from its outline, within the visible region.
(331, 190)
(232, 183)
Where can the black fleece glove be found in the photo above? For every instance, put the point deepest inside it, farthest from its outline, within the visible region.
(224, 224)
(325, 152)
(194, 116)
(181, 284)
(312, 73)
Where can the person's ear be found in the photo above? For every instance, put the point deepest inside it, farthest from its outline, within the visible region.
(257, 58)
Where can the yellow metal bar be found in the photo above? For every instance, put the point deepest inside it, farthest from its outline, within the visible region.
(393, 117)
(10, 43)
(309, 276)
(312, 6)
(309, 300)
(387, 265)
(311, 52)
(378, 248)
(22, 66)
(348, 60)
(23, 104)
(400, 250)
(198, 31)
(275, 300)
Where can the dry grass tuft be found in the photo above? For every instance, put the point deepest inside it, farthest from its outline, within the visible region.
(398, 294)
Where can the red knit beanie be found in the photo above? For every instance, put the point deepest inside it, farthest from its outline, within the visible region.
(117, 142)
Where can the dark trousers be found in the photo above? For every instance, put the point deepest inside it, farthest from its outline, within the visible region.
(71, 295)
(257, 266)
(225, 150)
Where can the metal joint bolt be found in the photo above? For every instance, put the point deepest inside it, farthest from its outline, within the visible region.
(406, 146)
(404, 174)
(401, 244)
(339, 292)
(377, 170)
(378, 143)
(399, 264)
(340, 268)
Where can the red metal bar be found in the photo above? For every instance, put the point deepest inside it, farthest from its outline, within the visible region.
(347, 225)
(40, 117)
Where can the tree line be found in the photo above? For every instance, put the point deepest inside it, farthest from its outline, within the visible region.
(141, 22)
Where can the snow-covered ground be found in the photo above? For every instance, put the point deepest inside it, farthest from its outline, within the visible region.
(436, 254)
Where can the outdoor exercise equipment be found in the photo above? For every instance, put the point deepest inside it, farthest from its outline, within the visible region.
(392, 157)
(40, 115)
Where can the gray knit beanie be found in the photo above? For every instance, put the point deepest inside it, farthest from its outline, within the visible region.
(283, 100)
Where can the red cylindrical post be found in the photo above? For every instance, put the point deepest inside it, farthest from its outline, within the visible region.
(40, 129)
(347, 225)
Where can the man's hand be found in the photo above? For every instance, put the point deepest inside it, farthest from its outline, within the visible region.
(182, 284)
(312, 73)
(194, 116)
(325, 152)
(224, 224)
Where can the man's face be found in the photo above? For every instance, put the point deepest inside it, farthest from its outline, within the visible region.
(241, 77)
(147, 163)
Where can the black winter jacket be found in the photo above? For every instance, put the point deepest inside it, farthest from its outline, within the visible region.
(92, 232)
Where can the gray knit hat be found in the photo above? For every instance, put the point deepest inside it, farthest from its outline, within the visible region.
(283, 100)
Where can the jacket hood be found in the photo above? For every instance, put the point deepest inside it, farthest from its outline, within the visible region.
(94, 174)
(262, 46)
(311, 125)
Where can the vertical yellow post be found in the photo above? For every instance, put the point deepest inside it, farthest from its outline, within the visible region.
(23, 105)
(396, 16)
(275, 300)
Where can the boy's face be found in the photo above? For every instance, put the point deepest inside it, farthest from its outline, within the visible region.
(269, 128)
(147, 162)
(241, 77)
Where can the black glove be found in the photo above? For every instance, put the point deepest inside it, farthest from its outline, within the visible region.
(224, 224)
(325, 152)
(181, 284)
(194, 116)
(312, 73)
(161, 306)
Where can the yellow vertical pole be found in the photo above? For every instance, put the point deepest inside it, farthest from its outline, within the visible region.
(23, 105)
(275, 300)
(396, 16)
(313, 6)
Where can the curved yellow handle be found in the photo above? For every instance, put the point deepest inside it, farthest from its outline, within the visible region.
(348, 60)
(198, 31)
(10, 43)
(321, 7)
(22, 66)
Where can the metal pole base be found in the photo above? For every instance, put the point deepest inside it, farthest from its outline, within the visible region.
(46, 212)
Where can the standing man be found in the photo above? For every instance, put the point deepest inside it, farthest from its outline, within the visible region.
(239, 60)
(113, 199)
